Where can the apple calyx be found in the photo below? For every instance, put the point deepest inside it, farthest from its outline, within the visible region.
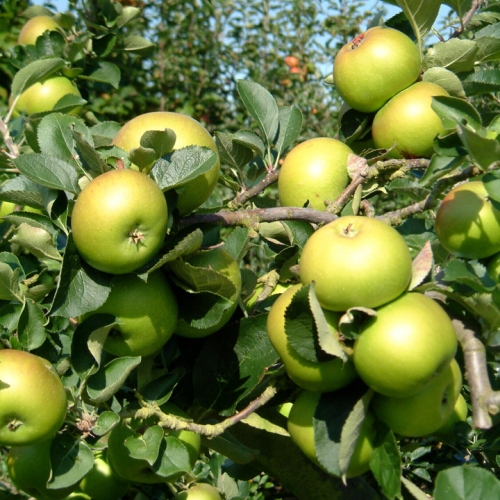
(136, 236)
(349, 231)
(14, 424)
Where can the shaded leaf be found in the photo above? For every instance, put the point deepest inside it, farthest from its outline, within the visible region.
(290, 123)
(31, 328)
(34, 72)
(421, 266)
(146, 446)
(232, 153)
(464, 483)
(36, 241)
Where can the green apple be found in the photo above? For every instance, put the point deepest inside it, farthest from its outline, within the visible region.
(322, 376)
(200, 491)
(119, 221)
(301, 428)
(43, 96)
(408, 124)
(6, 208)
(315, 171)
(34, 28)
(29, 469)
(356, 261)
(146, 313)
(188, 132)
(425, 412)
(32, 399)
(405, 346)
(460, 412)
(217, 259)
(375, 66)
(467, 223)
(101, 482)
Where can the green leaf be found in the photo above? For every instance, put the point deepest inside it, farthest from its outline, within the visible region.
(262, 107)
(36, 220)
(37, 241)
(290, 123)
(438, 167)
(455, 55)
(71, 460)
(10, 276)
(489, 46)
(415, 491)
(88, 155)
(421, 266)
(482, 82)
(161, 141)
(421, 14)
(250, 140)
(31, 328)
(232, 153)
(385, 462)
(110, 378)
(453, 111)
(484, 152)
(128, 13)
(466, 482)
(81, 288)
(105, 422)
(230, 366)
(445, 78)
(106, 72)
(146, 446)
(142, 157)
(136, 43)
(23, 191)
(470, 273)
(187, 245)
(185, 164)
(237, 243)
(173, 459)
(48, 171)
(34, 72)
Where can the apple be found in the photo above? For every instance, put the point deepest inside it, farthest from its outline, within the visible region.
(375, 66)
(300, 425)
(6, 208)
(188, 132)
(356, 261)
(101, 482)
(43, 96)
(29, 469)
(314, 171)
(217, 259)
(321, 376)
(292, 61)
(467, 223)
(146, 313)
(425, 412)
(119, 221)
(34, 28)
(32, 399)
(200, 491)
(405, 346)
(459, 414)
(408, 124)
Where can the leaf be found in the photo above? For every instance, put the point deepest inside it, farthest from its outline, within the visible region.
(161, 141)
(481, 82)
(237, 243)
(23, 191)
(454, 54)
(187, 245)
(106, 72)
(484, 152)
(470, 273)
(290, 123)
(105, 422)
(173, 459)
(421, 266)
(48, 171)
(230, 366)
(146, 446)
(257, 422)
(232, 153)
(262, 107)
(34, 72)
(109, 379)
(453, 111)
(9, 282)
(414, 490)
(31, 328)
(446, 79)
(385, 462)
(250, 140)
(182, 165)
(421, 14)
(71, 460)
(80, 288)
(88, 155)
(36, 241)
(466, 482)
(136, 43)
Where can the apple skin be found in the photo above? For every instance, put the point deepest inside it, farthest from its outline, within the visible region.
(301, 428)
(356, 261)
(375, 66)
(402, 348)
(6, 208)
(425, 412)
(467, 224)
(32, 399)
(220, 260)
(29, 469)
(314, 171)
(43, 96)
(323, 376)
(459, 414)
(119, 221)
(101, 482)
(34, 28)
(189, 132)
(200, 491)
(146, 311)
(409, 123)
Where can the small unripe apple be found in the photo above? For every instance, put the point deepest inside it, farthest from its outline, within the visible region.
(34, 28)
(375, 66)
(408, 124)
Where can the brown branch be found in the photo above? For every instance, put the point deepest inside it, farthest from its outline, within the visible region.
(485, 401)
(476, 4)
(11, 145)
(243, 197)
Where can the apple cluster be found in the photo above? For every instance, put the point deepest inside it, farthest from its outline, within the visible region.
(404, 350)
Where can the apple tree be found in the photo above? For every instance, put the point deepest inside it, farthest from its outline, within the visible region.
(210, 339)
